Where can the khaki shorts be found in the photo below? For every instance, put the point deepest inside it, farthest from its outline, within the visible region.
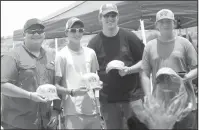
(82, 122)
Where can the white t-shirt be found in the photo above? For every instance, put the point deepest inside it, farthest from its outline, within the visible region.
(71, 66)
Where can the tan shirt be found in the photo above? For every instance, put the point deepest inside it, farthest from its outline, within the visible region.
(71, 66)
(179, 55)
(22, 68)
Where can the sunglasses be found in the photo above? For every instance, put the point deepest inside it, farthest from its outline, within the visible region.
(112, 15)
(39, 31)
(74, 30)
(163, 79)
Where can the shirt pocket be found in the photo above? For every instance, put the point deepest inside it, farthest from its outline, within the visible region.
(27, 77)
(125, 55)
(177, 54)
(49, 73)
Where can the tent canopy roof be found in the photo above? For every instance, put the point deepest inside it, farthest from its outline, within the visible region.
(130, 13)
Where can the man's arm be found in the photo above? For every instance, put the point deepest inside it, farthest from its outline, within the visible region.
(12, 90)
(191, 75)
(62, 90)
(9, 74)
(60, 66)
(135, 68)
(146, 71)
(146, 83)
(191, 60)
(136, 47)
(94, 63)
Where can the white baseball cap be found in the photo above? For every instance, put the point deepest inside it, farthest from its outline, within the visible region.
(91, 81)
(169, 72)
(114, 64)
(49, 91)
(164, 14)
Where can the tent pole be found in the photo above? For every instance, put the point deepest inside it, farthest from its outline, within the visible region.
(187, 34)
(56, 47)
(13, 45)
(144, 41)
(143, 31)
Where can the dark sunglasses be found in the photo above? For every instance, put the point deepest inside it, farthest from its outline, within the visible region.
(112, 15)
(39, 31)
(74, 30)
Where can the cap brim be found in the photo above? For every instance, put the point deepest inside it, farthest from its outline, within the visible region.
(165, 18)
(53, 98)
(108, 11)
(76, 21)
(41, 25)
(166, 71)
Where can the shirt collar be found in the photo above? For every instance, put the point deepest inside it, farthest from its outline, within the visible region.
(42, 51)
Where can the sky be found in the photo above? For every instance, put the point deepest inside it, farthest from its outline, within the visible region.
(14, 14)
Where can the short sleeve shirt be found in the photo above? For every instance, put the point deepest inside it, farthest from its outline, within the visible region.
(70, 66)
(21, 68)
(126, 47)
(179, 55)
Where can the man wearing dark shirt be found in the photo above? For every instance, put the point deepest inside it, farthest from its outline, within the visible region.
(121, 91)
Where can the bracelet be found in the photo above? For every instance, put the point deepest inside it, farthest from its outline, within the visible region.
(71, 92)
(129, 70)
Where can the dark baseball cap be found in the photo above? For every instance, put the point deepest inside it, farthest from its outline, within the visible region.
(33, 21)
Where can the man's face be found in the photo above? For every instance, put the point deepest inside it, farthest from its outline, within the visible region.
(34, 36)
(109, 20)
(165, 26)
(75, 33)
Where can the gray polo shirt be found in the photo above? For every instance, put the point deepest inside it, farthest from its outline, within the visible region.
(22, 68)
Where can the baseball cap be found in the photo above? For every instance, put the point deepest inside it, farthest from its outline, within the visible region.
(169, 72)
(33, 21)
(164, 14)
(114, 64)
(49, 91)
(91, 81)
(166, 71)
(72, 21)
(109, 7)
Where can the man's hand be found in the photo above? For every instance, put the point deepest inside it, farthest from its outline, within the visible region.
(185, 79)
(37, 97)
(99, 86)
(80, 91)
(125, 71)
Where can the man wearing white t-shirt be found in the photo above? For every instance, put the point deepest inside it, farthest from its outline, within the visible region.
(71, 63)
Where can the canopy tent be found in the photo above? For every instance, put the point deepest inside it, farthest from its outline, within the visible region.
(130, 13)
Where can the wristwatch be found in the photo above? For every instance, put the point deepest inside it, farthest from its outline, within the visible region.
(72, 93)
